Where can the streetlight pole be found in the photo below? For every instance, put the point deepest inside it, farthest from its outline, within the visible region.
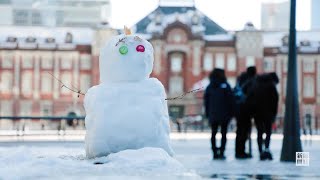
(291, 134)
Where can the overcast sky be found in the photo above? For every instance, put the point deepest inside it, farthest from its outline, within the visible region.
(230, 14)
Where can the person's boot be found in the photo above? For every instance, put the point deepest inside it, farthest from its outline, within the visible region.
(243, 156)
(221, 154)
(215, 154)
(268, 154)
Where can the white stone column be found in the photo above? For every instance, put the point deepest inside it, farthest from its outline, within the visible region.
(196, 62)
(36, 75)
(56, 73)
(17, 73)
(157, 57)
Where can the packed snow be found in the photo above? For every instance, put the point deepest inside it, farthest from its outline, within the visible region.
(61, 162)
(27, 159)
(128, 109)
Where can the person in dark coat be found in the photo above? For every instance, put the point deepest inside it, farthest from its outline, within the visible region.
(243, 112)
(219, 108)
(264, 103)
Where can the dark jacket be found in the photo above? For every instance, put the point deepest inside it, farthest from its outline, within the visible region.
(265, 97)
(219, 101)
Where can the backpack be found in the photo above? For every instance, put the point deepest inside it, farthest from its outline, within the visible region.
(239, 95)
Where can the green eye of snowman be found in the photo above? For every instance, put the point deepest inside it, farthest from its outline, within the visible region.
(123, 50)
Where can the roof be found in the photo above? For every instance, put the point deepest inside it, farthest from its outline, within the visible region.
(81, 36)
(170, 14)
(274, 38)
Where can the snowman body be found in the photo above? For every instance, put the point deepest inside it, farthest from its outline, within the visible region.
(128, 109)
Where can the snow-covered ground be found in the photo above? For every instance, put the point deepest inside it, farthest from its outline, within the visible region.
(38, 159)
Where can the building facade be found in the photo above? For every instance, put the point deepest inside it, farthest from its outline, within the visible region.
(188, 46)
(38, 66)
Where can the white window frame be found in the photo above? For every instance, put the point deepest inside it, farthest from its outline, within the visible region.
(27, 61)
(250, 61)
(308, 87)
(26, 82)
(7, 60)
(176, 62)
(232, 62)
(6, 81)
(208, 62)
(176, 85)
(46, 83)
(219, 60)
(85, 62)
(85, 82)
(47, 61)
(66, 78)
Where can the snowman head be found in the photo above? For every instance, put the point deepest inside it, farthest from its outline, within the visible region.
(126, 58)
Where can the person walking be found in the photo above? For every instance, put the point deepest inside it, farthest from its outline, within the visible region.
(219, 109)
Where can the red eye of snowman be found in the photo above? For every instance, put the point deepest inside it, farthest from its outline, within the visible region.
(140, 48)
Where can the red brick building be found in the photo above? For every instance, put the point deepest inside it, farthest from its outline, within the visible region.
(188, 45)
(34, 59)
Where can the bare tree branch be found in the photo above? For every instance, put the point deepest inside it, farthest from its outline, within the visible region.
(184, 94)
(64, 86)
(75, 90)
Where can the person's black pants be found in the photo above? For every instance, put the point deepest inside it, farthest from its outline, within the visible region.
(264, 125)
(243, 129)
(214, 129)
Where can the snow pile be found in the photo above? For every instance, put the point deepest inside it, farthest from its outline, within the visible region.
(128, 109)
(63, 162)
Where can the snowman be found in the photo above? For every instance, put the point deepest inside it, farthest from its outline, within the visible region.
(128, 109)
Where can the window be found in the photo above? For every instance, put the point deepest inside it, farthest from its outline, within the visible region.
(6, 83)
(85, 82)
(6, 108)
(308, 87)
(232, 64)
(208, 62)
(268, 64)
(308, 65)
(250, 61)
(27, 61)
(46, 83)
(220, 60)
(85, 62)
(66, 62)
(7, 60)
(66, 78)
(21, 17)
(26, 83)
(177, 38)
(36, 18)
(25, 108)
(46, 62)
(176, 62)
(176, 85)
(45, 108)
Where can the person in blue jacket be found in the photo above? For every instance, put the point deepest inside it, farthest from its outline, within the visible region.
(219, 109)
